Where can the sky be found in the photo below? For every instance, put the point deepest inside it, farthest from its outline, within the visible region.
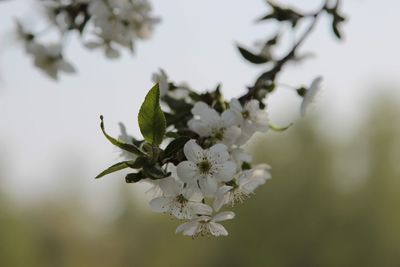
(49, 128)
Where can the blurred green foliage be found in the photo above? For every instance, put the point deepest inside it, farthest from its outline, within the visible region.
(330, 203)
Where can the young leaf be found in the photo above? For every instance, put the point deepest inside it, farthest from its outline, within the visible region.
(253, 58)
(128, 147)
(151, 118)
(116, 167)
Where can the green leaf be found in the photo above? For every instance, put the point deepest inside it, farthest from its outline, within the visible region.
(134, 177)
(253, 58)
(128, 147)
(116, 167)
(151, 118)
(176, 145)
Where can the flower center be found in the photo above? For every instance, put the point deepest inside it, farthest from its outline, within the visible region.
(181, 199)
(219, 135)
(204, 166)
(246, 114)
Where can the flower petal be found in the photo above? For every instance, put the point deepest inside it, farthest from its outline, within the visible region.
(217, 229)
(160, 204)
(223, 216)
(231, 118)
(310, 95)
(193, 151)
(231, 134)
(170, 187)
(199, 127)
(189, 228)
(187, 171)
(200, 208)
(224, 172)
(218, 153)
(208, 186)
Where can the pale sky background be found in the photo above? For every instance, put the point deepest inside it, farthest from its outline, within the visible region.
(48, 128)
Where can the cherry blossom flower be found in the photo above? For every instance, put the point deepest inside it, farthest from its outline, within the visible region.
(178, 200)
(208, 123)
(50, 60)
(206, 225)
(251, 117)
(242, 187)
(204, 168)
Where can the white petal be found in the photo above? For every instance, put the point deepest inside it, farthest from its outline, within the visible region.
(218, 153)
(225, 171)
(217, 229)
(193, 151)
(170, 187)
(239, 155)
(189, 228)
(247, 133)
(222, 197)
(223, 216)
(231, 134)
(206, 114)
(200, 208)
(208, 186)
(199, 127)
(187, 171)
(235, 105)
(160, 204)
(231, 118)
(310, 95)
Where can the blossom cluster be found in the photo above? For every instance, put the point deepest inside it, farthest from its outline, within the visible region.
(198, 166)
(109, 25)
(192, 152)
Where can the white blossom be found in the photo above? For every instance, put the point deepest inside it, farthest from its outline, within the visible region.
(208, 123)
(242, 187)
(49, 59)
(204, 168)
(252, 118)
(121, 21)
(206, 225)
(310, 95)
(178, 200)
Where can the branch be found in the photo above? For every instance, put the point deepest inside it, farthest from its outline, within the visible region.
(270, 75)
